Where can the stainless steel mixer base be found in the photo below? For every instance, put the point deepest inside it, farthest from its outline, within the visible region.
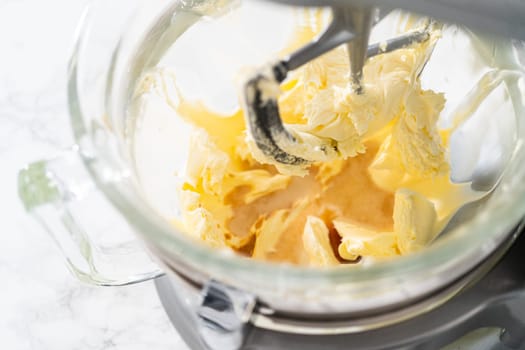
(496, 300)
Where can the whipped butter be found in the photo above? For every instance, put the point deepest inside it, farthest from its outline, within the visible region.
(385, 192)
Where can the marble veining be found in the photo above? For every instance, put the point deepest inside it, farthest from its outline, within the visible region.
(42, 305)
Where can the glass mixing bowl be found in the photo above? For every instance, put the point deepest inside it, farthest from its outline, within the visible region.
(118, 181)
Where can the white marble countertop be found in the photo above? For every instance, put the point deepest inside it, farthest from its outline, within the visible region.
(42, 305)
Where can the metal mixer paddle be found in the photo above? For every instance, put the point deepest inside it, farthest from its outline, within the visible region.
(351, 25)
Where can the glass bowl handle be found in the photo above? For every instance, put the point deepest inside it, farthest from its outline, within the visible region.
(96, 240)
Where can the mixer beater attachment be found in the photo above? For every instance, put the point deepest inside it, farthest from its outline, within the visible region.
(350, 26)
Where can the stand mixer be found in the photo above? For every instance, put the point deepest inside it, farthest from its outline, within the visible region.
(351, 25)
(225, 317)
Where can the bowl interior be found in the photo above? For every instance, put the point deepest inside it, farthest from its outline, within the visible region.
(204, 46)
